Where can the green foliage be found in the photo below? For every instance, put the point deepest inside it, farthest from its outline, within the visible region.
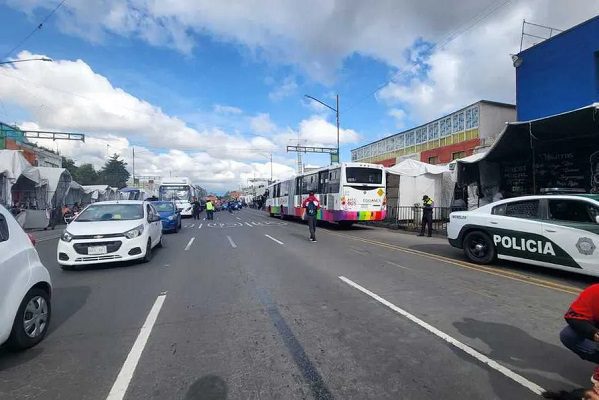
(114, 173)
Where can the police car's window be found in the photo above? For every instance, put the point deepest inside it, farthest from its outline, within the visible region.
(572, 210)
(522, 209)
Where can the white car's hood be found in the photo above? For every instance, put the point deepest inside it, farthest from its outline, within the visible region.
(102, 227)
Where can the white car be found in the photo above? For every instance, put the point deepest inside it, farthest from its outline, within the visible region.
(555, 231)
(110, 231)
(25, 287)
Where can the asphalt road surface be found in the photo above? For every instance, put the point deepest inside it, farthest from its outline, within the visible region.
(246, 307)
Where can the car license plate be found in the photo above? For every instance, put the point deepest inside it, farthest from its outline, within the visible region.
(96, 250)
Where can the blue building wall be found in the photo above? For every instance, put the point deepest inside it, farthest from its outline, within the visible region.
(559, 74)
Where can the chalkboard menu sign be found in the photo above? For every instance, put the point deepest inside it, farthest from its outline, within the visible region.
(516, 178)
(568, 169)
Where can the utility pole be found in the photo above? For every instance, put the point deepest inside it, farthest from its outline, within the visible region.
(337, 112)
(134, 167)
(270, 167)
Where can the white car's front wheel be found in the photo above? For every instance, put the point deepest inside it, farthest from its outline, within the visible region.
(148, 256)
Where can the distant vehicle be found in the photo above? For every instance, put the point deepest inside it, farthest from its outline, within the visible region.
(25, 287)
(348, 192)
(129, 193)
(171, 218)
(181, 191)
(111, 231)
(555, 231)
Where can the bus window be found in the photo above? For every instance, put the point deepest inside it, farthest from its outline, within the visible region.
(364, 175)
(334, 180)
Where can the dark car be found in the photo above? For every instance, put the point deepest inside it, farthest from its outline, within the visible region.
(170, 217)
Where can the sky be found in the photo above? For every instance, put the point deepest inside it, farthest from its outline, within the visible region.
(211, 89)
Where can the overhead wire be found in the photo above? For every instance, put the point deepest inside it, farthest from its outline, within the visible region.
(450, 37)
(37, 28)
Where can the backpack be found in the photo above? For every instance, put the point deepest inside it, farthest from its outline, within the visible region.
(311, 209)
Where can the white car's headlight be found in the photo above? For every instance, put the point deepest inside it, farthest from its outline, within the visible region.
(171, 217)
(66, 237)
(135, 232)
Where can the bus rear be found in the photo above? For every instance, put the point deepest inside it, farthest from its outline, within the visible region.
(363, 192)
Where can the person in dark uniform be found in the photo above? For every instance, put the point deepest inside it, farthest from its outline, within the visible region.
(427, 215)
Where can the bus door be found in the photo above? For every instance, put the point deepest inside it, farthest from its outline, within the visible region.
(323, 179)
(297, 198)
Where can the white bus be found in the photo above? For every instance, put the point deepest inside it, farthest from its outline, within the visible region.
(181, 191)
(348, 192)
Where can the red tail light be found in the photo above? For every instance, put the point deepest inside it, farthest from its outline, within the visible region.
(31, 238)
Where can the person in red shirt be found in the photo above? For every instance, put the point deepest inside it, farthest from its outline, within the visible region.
(582, 333)
(311, 206)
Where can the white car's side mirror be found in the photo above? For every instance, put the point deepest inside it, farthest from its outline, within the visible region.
(597, 219)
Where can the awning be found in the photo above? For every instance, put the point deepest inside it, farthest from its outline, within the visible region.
(54, 176)
(520, 138)
(416, 168)
(13, 164)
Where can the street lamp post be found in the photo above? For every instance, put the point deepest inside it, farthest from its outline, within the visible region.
(336, 110)
(25, 60)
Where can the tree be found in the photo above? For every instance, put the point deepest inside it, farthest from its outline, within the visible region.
(114, 173)
(70, 166)
(86, 175)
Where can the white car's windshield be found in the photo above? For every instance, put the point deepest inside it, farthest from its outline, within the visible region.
(111, 212)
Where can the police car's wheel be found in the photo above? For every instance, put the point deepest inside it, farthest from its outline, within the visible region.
(479, 248)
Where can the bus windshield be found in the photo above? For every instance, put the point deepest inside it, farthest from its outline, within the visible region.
(363, 175)
(181, 193)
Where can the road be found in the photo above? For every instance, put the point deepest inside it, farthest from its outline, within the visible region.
(246, 307)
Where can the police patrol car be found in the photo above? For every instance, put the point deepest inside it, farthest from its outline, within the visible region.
(555, 231)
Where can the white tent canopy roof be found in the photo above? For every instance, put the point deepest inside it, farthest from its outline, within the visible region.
(416, 168)
(13, 164)
(52, 176)
(96, 188)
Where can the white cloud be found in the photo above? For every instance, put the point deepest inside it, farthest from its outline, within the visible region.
(223, 109)
(477, 64)
(317, 36)
(287, 88)
(70, 96)
(262, 124)
(400, 117)
(317, 131)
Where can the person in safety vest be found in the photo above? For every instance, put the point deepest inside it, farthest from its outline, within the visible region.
(311, 206)
(209, 209)
(427, 215)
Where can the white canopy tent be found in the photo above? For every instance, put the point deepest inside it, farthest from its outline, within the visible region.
(58, 184)
(99, 192)
(75, 194)
(14, 168)
(411, 179)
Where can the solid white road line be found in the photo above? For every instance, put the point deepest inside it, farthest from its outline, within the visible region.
(189, 244)
(250, 225)
(397, 265)
(192, 225)
(232, 242)
(200, 226)
(272, 238)
(533, 387)
(119, 388)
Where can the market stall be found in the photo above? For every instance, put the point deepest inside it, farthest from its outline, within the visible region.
(409, 180)
(556, 154)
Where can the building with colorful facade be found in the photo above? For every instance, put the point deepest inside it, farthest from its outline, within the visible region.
(12, 138)
(442, 140)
